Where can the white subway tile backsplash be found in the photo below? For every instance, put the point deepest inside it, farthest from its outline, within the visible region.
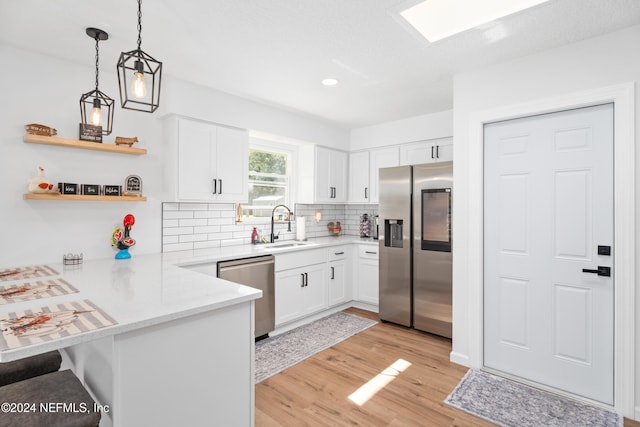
(192, 222)
(177, 231)
(193, 207)
(188, 226)
(177, 214)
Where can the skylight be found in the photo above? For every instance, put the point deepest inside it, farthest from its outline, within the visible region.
(438, 19)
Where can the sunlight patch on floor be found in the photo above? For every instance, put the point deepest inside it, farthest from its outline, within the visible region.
(377, 383)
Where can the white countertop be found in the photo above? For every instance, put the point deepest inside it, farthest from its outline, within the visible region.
(150, 289)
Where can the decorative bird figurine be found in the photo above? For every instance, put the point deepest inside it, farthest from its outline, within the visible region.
(40, 184)
(121, 239)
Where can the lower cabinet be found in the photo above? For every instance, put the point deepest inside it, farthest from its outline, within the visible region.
(339, 286)
(366, 274)
(310, 281)
(301, 290)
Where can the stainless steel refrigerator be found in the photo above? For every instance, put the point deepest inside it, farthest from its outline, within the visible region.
(415, 240)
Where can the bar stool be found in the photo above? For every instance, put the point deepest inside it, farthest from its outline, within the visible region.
(29, 367)
(56, 399)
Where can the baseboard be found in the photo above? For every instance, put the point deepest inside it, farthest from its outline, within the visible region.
(364, 306)
(308, 319)
(460, 359)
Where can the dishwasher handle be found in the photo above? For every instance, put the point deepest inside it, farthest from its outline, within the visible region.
(241, 263)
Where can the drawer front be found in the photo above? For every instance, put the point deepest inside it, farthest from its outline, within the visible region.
(338, 252)
(368, 251)
(300, 258)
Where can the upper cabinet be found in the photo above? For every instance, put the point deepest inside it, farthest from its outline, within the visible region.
(322, 175)
(363, 172)
(359, 190)
(206, 162)
(437, 150)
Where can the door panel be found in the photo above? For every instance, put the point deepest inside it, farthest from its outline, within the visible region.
(548, 197)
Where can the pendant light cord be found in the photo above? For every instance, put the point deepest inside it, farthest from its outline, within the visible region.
(139, 23)
(97, 62)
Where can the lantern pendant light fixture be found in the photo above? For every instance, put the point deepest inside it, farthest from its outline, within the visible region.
(96, 108)
(139, 76)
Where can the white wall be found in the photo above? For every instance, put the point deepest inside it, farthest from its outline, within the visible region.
(195, 101)
(40, 89)
(608, 60)
(411, 129)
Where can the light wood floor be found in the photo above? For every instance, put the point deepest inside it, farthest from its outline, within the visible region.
(316, 391)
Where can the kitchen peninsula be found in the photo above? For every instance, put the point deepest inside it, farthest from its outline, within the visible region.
(181, 350)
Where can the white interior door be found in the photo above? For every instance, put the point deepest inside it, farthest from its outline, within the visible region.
(548, 207)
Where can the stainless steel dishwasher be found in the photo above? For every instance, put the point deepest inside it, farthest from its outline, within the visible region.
(257, 272)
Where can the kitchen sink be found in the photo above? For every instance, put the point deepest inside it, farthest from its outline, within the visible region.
(283, 245)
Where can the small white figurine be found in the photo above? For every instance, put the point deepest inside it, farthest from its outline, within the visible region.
(40, 184)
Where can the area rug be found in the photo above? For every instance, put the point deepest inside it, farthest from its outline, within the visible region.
(507, 403)
(275, 354)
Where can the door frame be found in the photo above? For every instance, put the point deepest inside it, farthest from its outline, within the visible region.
(622, 96)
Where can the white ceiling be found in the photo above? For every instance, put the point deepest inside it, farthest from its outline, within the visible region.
(278, 51)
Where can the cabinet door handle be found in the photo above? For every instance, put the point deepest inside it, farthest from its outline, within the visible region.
(437, 151)
(333, 273)
(302, 285)
(220, 187)
(366, 192)
(370, 252)
(338, 253)
(215, 186)
(432, 151)
(306, 279)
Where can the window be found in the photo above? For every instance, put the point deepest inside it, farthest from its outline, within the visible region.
(269, 178)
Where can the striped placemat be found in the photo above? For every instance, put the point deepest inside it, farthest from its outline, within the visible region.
(35, 290)
(22, 328)
(20, 273)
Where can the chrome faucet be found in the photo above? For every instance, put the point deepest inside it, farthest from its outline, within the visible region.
(274, 237)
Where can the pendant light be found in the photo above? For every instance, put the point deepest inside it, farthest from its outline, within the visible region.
(96, 108)
(139, 76)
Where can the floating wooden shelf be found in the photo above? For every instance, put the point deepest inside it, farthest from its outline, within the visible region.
(76, 143)
(55, 196)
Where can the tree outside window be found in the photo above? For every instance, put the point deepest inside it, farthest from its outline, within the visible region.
(268, 182)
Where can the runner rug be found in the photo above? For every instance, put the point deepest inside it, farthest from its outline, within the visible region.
(507, 403)
(21, 328)
(275, 354)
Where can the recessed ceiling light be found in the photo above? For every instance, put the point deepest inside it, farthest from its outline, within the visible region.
(438, 19)
(330, 82)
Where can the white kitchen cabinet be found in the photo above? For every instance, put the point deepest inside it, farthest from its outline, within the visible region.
(367, 274)
(301, 284)
(437, 150)
(338, 286)
(206, 162)
(322, 175)
(380, 158)
(363, 172)
(359, 190)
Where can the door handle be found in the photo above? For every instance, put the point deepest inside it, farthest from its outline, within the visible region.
(437, 151)
(601, 271)
(333, 273)
(306, 279)
(220, 187)
(432, 152)
(215, 186)
(302, 285)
